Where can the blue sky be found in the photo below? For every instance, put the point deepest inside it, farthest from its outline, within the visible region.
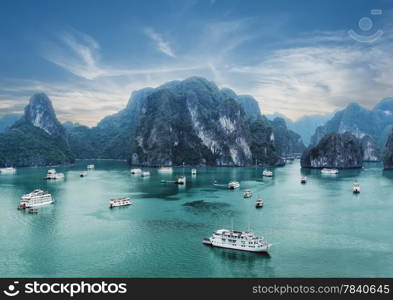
(295, 57)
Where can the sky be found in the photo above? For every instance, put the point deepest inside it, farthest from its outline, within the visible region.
(295, 57)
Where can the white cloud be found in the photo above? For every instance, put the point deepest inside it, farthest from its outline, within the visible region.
(162, 45)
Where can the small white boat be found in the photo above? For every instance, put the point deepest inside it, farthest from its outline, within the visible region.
(35, 198)
(53, 175)
(193, 171)
(267, 173)
(90, 167)
(237, 240)
(303, 179)
(259, 203)
(247, 194)
(145, 174)
(166, 170)
(329, 171)
(136, 171)
(83, 174)
(8, 170)
(356, 188)
(119, 202)
(181, 180)
(233, 185)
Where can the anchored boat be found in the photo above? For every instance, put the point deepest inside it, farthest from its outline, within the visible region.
(237, 240)
(259, 203)
(233, 185)
(166, 170)
(267, 173)
(145, 174)
(303, 179)
(90, 167)
(8, 170)
(35, 198)
(247, 194)
(53, 175)
(181, 180)
(119, 202)
(193, 171)
(136, 171)
(356, 188)
(327, 171)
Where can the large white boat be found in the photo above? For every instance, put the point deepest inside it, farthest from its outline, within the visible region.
(8, 170)
(136, 171)
(356, 187)
(329, 171)
(267, 173)
(90, 167)
(181, 180)
(233, 185)
(166, 170)
(119, 202)
(145, 174)
(53, 175)
(237, 240)
(35, 198)
(193, 171)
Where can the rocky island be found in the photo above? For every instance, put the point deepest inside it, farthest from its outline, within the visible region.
(335, 150)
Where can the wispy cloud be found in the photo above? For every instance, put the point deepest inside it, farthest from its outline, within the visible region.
(162, 45)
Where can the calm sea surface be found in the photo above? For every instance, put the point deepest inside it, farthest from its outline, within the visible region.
(319, 229)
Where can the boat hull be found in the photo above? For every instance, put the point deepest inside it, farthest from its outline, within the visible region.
(258, 250)
(39, 204)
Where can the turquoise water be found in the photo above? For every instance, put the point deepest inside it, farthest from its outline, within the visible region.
(317, 229)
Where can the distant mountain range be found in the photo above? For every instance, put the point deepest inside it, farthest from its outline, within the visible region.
(181, 122)
(7, 121)
(374, 125)
(305, 126)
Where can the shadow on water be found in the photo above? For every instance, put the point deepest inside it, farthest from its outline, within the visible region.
(388, 174)
(201, 206)
(242, 256)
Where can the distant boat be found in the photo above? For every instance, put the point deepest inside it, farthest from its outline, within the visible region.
(356, 188)
(329, 171)
(90, 167)
(259, 203)
(53, 175)
(193, 171)
(247, 194)
(136, 171)
(119, 202)
(35, 198)
(237, 240)
(181, 180)
(83, 174)
(8, 170)
(303, 179)
(267, 173)
(233, 185)
(145, 174)
(165, 170)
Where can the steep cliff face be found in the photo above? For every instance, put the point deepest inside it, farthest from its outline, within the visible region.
(335, 150)
(40, 113)
(286, 141)
(370, 149)
(191, 122)
(262, 143)
(37, 139)
(388, 157)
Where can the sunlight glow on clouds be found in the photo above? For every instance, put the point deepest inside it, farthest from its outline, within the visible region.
(306, 72)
